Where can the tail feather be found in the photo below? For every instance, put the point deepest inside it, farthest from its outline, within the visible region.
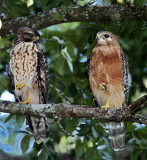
(117, 135)
(39, 129)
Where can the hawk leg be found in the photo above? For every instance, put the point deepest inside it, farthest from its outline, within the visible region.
(28, 100)
(103, 86)
(106, 106)
(19, 86)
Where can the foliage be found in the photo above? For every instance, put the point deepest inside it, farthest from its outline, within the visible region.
(68, 47)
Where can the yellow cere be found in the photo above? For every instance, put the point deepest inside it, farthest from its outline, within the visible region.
(37, 37)
(98, 35)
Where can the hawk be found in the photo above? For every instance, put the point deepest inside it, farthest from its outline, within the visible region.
(110, 81)
(28, 73)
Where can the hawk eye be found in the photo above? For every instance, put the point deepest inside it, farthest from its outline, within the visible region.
(30, 35)
(106, 35)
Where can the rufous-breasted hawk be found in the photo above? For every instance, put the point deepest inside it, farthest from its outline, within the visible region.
(110, 81)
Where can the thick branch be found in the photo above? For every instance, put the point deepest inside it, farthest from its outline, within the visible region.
(78, 111)
(102, 14)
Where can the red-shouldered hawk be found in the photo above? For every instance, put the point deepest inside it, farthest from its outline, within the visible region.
(110, 81)
(28, 72)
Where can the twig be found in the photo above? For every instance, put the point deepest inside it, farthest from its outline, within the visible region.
(49, 122)
(57, 120)
(60, 92)
(61, 127)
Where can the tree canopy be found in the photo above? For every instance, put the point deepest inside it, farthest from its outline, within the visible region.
(68, 47)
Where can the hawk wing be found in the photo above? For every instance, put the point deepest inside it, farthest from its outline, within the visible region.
(94, 99)
(10, 74)
(126, 76)
(11, 77)
(39, 126)
(43, 81)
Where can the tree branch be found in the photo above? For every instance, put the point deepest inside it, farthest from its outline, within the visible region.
(137, 105)
(63, 110)
(102, 14)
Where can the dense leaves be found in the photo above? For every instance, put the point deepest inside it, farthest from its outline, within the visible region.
(68, 47)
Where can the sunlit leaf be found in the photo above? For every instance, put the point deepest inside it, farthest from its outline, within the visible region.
(78, 149)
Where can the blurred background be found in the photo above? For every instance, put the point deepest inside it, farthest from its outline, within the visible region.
(68, 47)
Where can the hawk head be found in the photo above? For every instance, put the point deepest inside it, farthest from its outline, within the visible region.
(106, 38)
(27, 34)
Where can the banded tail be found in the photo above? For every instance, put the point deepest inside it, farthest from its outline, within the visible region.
(40, 129)
(117, 135)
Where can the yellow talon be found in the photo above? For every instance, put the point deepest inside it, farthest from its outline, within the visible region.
(27, 101)
(19, 86)
(103, 86)
(106, 106)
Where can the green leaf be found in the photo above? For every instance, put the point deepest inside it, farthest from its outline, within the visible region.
(79, 148)
(22, 131)
(8, 118)
(34, 152)
(94, 132)
(135, 155)
(92, 154)
(12, 138)
(85, 129)
(43, 155)
(20, 120)
(71, 124)
(143, 156)
(25, 143)
(68, 58)
(57, 16)
(101, 142)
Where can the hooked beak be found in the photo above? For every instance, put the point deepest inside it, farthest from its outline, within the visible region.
(98, 36)
(36, 38)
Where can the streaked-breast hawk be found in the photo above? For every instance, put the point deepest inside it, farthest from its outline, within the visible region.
(110, 81)
(28, 72)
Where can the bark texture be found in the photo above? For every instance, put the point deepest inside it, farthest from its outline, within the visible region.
(102, 14)
(63, 110)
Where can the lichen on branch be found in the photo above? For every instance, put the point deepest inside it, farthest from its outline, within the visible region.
(63, 110)
(102, 14)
